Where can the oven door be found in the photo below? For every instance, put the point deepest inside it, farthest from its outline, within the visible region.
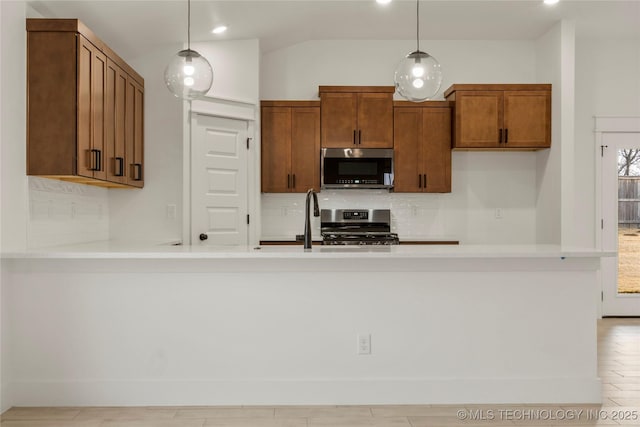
(357, 168)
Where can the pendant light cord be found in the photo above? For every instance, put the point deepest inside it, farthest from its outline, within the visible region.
(418, 25)
(188, 24)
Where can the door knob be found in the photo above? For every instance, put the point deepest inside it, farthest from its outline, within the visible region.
(203, 236)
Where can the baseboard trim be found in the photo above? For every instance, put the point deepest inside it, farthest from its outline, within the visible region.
(307, 392)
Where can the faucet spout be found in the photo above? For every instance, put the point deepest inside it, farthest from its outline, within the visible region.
(307, 219)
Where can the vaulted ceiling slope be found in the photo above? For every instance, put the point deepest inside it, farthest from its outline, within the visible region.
(279, 24)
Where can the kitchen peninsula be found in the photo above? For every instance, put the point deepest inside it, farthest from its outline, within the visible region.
(447, 324)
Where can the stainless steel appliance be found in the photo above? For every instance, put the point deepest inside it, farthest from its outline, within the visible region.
(357, 168)
(357, 227)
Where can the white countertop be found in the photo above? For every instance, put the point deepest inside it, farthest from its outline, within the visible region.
(118, 250)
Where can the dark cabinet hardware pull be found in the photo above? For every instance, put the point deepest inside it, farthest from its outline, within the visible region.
(506, 136)
(95, 160)
(137, 176)
(419, 181)
(288, 180)
(119, 166)
(500, 141)
(359, 137)
(294, 181)
(203, 237)
(354, 137)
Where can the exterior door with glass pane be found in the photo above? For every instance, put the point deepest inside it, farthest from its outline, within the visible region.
(621, 223)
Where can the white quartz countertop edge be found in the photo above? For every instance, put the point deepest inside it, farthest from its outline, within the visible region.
(114, 250)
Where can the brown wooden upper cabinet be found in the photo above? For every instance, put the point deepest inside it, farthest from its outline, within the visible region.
(84, 107)
(422, 147)
(290, 146)
(357, 116)
(501, 116)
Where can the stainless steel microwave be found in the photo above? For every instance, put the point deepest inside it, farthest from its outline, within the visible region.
(357, 168)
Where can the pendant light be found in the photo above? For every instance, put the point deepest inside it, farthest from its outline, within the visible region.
(189, 75)
(418, 76)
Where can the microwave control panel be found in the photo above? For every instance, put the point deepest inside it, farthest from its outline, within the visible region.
(357, 181)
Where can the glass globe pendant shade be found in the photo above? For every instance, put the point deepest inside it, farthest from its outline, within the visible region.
(418, 76)
(189, 75)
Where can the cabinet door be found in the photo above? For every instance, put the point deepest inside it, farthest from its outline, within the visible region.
(305, 149)
(91, 88)
(115, 133)
(375, 120)
(407, 150)
(436, 151)
(527, 119)
(276, 149)
(478, 119)
(339, 119)
(134, 133)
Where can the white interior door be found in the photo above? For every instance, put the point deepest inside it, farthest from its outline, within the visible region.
(620, 227)
(219, 184)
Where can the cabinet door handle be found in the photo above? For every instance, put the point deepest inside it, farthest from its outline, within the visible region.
(294, 181)
(137, 168)
(354, 137)
(119, 166)
(288, 180)
(95, 160)
(359, 137)
(500, 139)
(419, 181)
(506, 136)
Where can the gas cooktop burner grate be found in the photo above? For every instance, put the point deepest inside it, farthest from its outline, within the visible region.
(360, 239)
(357, 227)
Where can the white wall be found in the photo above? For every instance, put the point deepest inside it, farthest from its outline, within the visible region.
(14, 191)
(235, 68)
(607, 84)
(481, 182)
(548, 227)
(297, 71)
(2, 321)
(141, 214)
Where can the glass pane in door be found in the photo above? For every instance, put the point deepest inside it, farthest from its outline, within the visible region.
(629, 221)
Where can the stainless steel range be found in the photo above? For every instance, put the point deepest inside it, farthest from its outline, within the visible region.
(357, 227)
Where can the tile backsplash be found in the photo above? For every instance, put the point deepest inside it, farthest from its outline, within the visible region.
(64, 213)
(283, 214)
(493, 200)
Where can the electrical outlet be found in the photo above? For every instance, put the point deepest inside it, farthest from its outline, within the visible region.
(499, 213)
(364, 344)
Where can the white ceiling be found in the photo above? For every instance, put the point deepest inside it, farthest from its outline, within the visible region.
(133, 27)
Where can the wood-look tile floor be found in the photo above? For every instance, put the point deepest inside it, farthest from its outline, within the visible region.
(618, 365)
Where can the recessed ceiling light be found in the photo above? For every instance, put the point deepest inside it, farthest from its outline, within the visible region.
(383, 1)
(551, 1)
(219, 29)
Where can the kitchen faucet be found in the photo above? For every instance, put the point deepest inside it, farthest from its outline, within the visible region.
(307, 220)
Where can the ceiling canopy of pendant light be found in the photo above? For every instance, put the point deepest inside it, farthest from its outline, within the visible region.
(418, 76)
(189, 75)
